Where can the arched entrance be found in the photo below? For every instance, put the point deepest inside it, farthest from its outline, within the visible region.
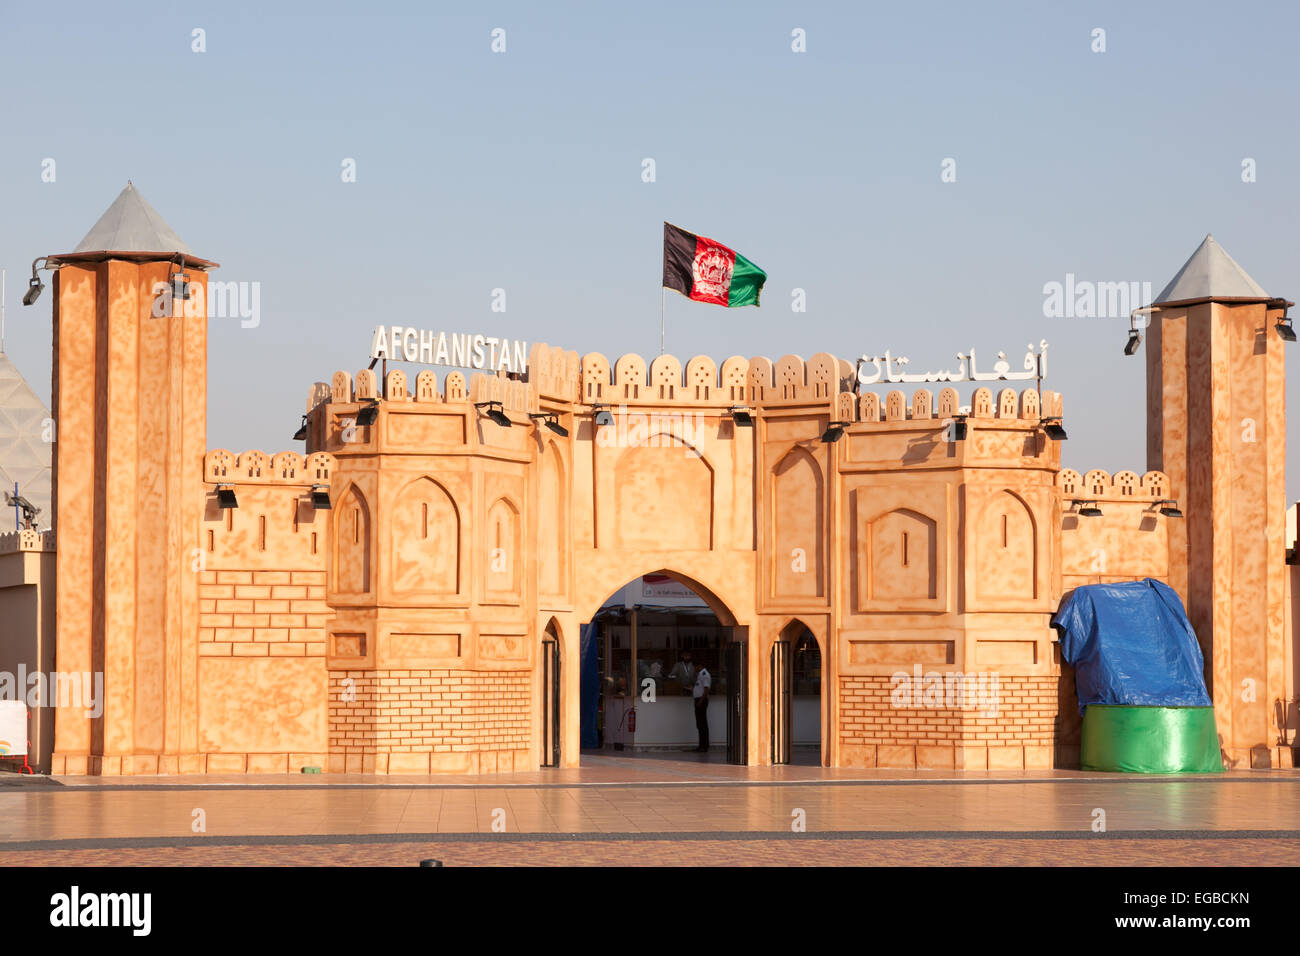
(664, 670)
(796, 696)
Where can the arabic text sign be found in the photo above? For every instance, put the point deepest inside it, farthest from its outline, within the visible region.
(890, 369)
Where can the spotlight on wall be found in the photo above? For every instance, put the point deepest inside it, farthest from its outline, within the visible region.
(301, 433)
(1285, 329)
(495, 412)
(369, 413)
(550, 420)
(603, 416)
(1053, 429)
(1169, 508)
(320, 497)
(226, 497)
(1134, 340)
(834, 431)
(34, 286)
(742, 416)
(959, 428)
(1088, 509)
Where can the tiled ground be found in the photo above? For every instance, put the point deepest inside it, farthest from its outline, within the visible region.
(810, 852)
(629, 809)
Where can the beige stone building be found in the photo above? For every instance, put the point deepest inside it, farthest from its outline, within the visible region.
(407, 594)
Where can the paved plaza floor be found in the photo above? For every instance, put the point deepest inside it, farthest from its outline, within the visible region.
(665, 810)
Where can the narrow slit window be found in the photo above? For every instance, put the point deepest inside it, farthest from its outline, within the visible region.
(904, 549)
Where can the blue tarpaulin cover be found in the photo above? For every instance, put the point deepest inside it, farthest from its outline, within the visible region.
(1131, 644)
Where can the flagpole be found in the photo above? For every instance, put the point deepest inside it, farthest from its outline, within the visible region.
(663, 293)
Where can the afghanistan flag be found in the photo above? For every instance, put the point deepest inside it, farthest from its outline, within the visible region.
(708, 271)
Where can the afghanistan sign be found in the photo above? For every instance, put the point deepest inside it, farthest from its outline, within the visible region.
(458, 350)
(708, 271)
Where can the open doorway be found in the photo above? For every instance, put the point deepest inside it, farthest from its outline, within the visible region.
(550, 696)
(796, 670)
(661, 675)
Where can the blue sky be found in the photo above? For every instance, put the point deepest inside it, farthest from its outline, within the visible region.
(522, 171)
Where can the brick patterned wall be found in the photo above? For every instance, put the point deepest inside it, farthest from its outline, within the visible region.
(262, 614)
(1028, 730)
(410, 720)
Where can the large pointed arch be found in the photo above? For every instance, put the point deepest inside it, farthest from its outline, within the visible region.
(426, 539)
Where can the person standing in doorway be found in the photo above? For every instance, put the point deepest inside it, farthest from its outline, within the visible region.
(703, 681)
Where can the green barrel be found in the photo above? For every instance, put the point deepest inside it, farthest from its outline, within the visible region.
(1150, 739)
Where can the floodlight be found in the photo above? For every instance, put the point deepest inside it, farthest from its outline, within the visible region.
(369, 414)
(1285, 330)
(834, 431)
(495, 412)
(1053, 428)
(1134, 340)
(226, 497)
(320, 497)
(301, 433)
(1088, 509)
(742, 416)
(603, 416)
(550, 420)
(1169, 508)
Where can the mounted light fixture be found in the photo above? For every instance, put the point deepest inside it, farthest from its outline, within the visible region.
(34, 285)
(1088, 509)
(1169, 508)
(742, 416)
(602, 415)
(226, 497)
(1285, 329)
(179, 280)
(496, 412)
(301, 433)
(551, 420)
(834, 431)
(320, 497)
(1053, 428)
(1135, 333)
(369, 413)
(959, 428)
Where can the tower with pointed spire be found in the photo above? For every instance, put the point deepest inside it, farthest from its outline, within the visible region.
(1216, 425)
(129, 396)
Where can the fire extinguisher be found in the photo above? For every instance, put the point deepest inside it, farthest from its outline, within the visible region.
(631, 721)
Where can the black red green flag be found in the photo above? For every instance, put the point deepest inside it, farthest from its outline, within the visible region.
(707, 271)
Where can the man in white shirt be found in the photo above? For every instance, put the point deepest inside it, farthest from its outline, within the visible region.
(703, 681)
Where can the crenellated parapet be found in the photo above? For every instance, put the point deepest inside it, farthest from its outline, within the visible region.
(702, 382)
(26, 540)
(1123, 485)
(256, 467)
(1005, 405)
(513, 396)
